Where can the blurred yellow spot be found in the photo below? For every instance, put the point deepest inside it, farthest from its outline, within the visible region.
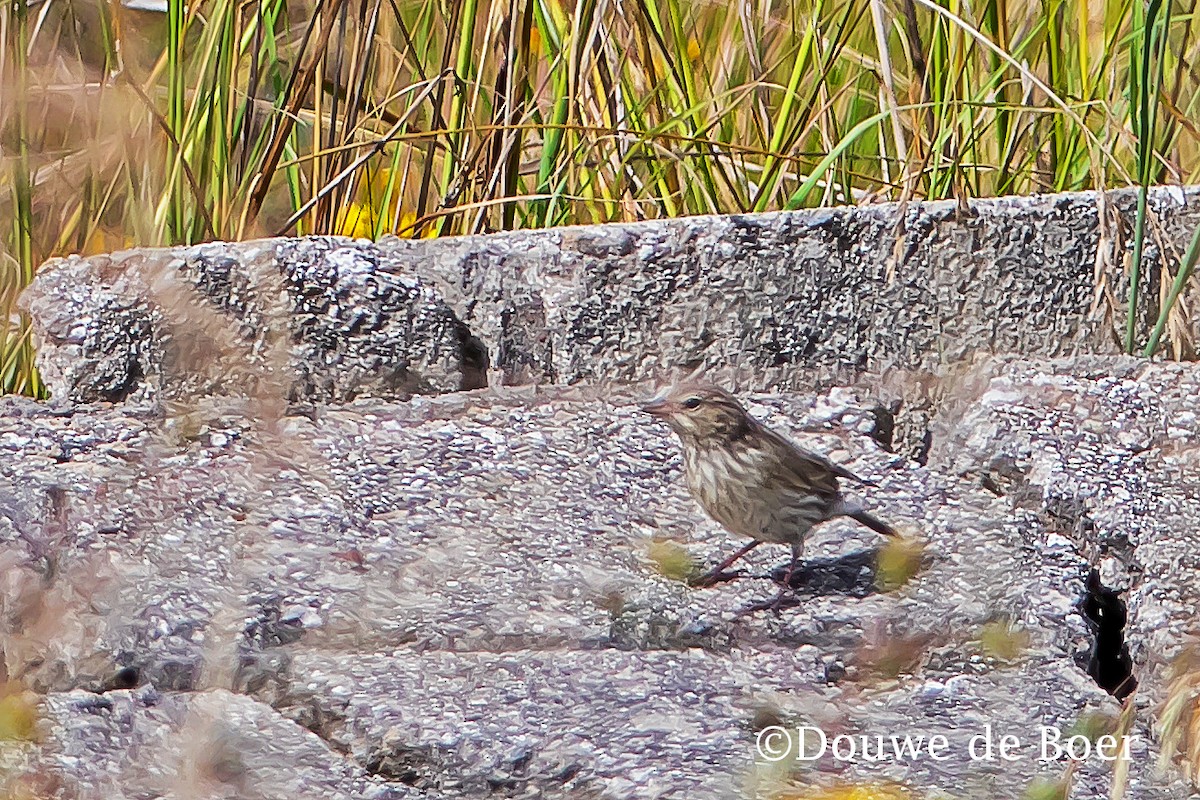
(671, 559)
(1179, 716)
(380, 204)
(408, 219)
(612, 601)
(891, 656)
(407, 227)
(1002, 641)
(898, 561)
(854, 791)
(18, 714)
(535, 40)
(1044, 789)
(104, 240)
(1093, 725)
(693, 49)
(354, 220)
(657, 60)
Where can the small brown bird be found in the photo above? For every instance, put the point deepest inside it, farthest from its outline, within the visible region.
(750, 479)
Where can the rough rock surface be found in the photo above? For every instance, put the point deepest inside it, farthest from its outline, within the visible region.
(790, 299)
(457, 596)
(309, 320)
(1109, 456)
(212, 744)
(805, 296)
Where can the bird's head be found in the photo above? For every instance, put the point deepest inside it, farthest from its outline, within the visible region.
(700, 412)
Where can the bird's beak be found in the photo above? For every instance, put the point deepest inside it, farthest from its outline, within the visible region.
(657, 407)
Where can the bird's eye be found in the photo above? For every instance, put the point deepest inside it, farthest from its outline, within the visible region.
(692, 402)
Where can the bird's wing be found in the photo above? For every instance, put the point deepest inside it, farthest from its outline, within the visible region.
(808, 471)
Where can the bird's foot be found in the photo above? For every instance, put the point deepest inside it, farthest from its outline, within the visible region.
(714, 577)
(788, 579)
(785, 599)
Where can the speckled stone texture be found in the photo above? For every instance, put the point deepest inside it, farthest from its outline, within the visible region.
(807, 296)
(1109, 457)
(314, 320)
(790, 299)
(211, 744)
(454, 597)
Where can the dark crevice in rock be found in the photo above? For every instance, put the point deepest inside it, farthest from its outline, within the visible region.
(1107, 661)
(884, 430)
(1109, 664)
(636, 628)
(112, 356)
(267, 677)
(412, 766)
(124, 384)
(1005, 476)
(989, 483)
(123, 678)
(269, 629)
(911, 428)
(1070, 518)
(314, 714)
(262, 674)
(919, 452)
(263, 660)
(474, 360)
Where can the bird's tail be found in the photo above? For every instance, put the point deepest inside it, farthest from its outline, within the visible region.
(863, 517)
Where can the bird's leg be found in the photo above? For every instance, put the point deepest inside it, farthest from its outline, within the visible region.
(797, 548)
(718, 574)
(777, 602)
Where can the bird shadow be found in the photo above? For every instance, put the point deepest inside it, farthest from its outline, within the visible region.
(850, 575)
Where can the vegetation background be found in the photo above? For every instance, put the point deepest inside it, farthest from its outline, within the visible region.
(152, 122)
